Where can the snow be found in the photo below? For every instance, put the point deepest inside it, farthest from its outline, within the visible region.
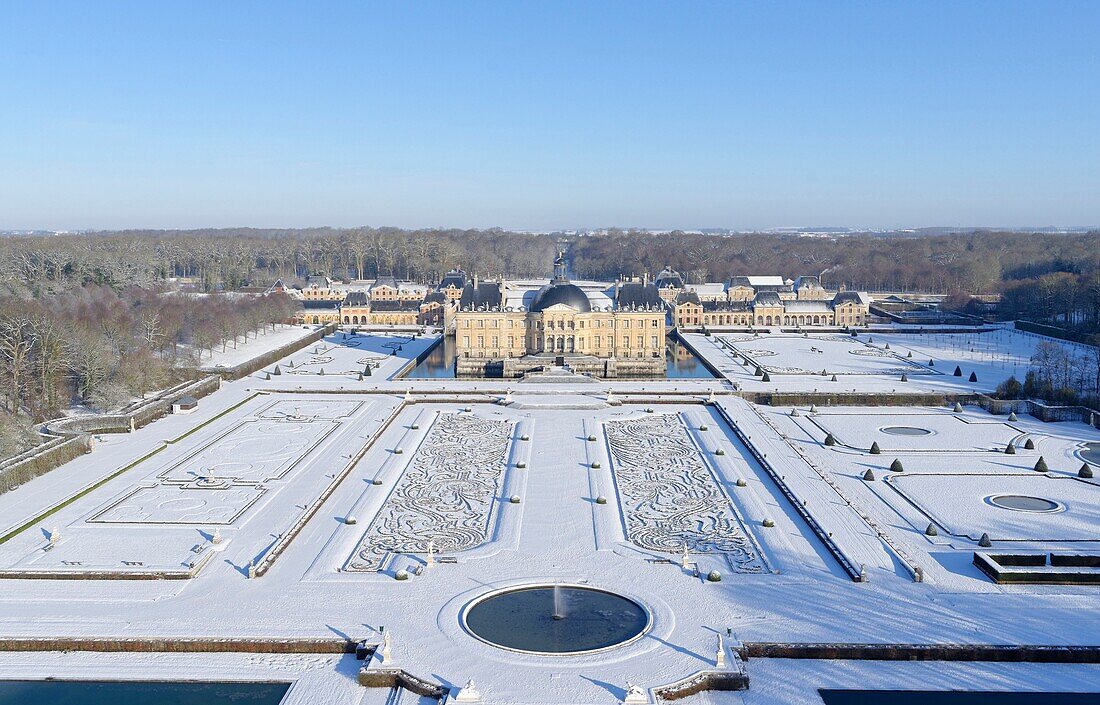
(304, 450)
(255, 346)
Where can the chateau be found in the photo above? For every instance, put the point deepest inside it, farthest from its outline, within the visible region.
(504, 329)
(762, 302)
(510, 327)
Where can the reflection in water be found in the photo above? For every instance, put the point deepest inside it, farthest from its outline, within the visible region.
(680, 362)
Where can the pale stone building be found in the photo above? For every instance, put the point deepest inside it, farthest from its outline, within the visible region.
(498, 333)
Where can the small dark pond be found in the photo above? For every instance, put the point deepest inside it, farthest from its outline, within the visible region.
(139, 693)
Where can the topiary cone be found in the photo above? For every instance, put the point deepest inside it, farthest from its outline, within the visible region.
(869, 475)
(896, 466)
(875, 450)
(1041, 465)
(1085, 471)
(1010, 449)
(1029, 444)
(958, 371)
(973, 376)
(829, 440)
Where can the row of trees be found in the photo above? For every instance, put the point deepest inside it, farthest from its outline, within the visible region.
(231, 258)
(102, 348)
(986, 262)
(1059, 374)
(1067, 299)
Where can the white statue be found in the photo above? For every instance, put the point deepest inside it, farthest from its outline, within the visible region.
(217, 537)
(55, 535)
(387, 644)
(635, 695)
(430, 560)
(720, 656)
(468, 693)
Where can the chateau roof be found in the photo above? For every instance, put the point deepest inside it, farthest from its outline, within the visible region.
(356, 298)
(320, 304)
(484, 295)
(853, 297)
(767, 298)
(632, 295)
(561, 292)
(687, 297)
(758, 282)
(669, 279)
(455, 278)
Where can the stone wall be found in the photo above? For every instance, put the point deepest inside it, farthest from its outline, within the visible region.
(41, 459)
(142, 415)
(259, 362)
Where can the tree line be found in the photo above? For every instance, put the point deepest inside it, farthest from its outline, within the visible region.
(103, 348)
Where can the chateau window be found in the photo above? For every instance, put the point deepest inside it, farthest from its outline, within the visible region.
(495, 343)
(626, 323)
(511, 341)
(653, 342)
(641, 341)
(654, 322)
(481, 341)
(465, 341)
(626, 341)
(598, 346)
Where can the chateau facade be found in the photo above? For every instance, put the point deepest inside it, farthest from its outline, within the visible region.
(508, 331)
(763, 302)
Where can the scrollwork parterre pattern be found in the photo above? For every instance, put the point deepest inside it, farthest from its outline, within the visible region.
(446, 495)
(669, 497)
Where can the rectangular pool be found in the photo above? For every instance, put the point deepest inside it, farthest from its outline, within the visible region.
(57, 692)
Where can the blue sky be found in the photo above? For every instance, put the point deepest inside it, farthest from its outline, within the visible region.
(548, 114)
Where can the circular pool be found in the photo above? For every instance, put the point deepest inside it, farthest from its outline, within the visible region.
(905, 431)
(1091, 453)
(555, 619)
(1024, 503)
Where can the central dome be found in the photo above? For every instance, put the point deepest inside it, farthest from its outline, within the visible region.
(561, 293)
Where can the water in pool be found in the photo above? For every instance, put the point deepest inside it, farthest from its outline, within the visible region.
(556, 620)
(905, 431)
(139, 693)
(1091, 453)
(1023, 503)
(680, 362)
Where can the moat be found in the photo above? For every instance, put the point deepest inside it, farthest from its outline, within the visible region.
(680, 362)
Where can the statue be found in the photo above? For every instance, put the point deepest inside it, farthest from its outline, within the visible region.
(635, 695)
(468, 693)
(720, 656)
